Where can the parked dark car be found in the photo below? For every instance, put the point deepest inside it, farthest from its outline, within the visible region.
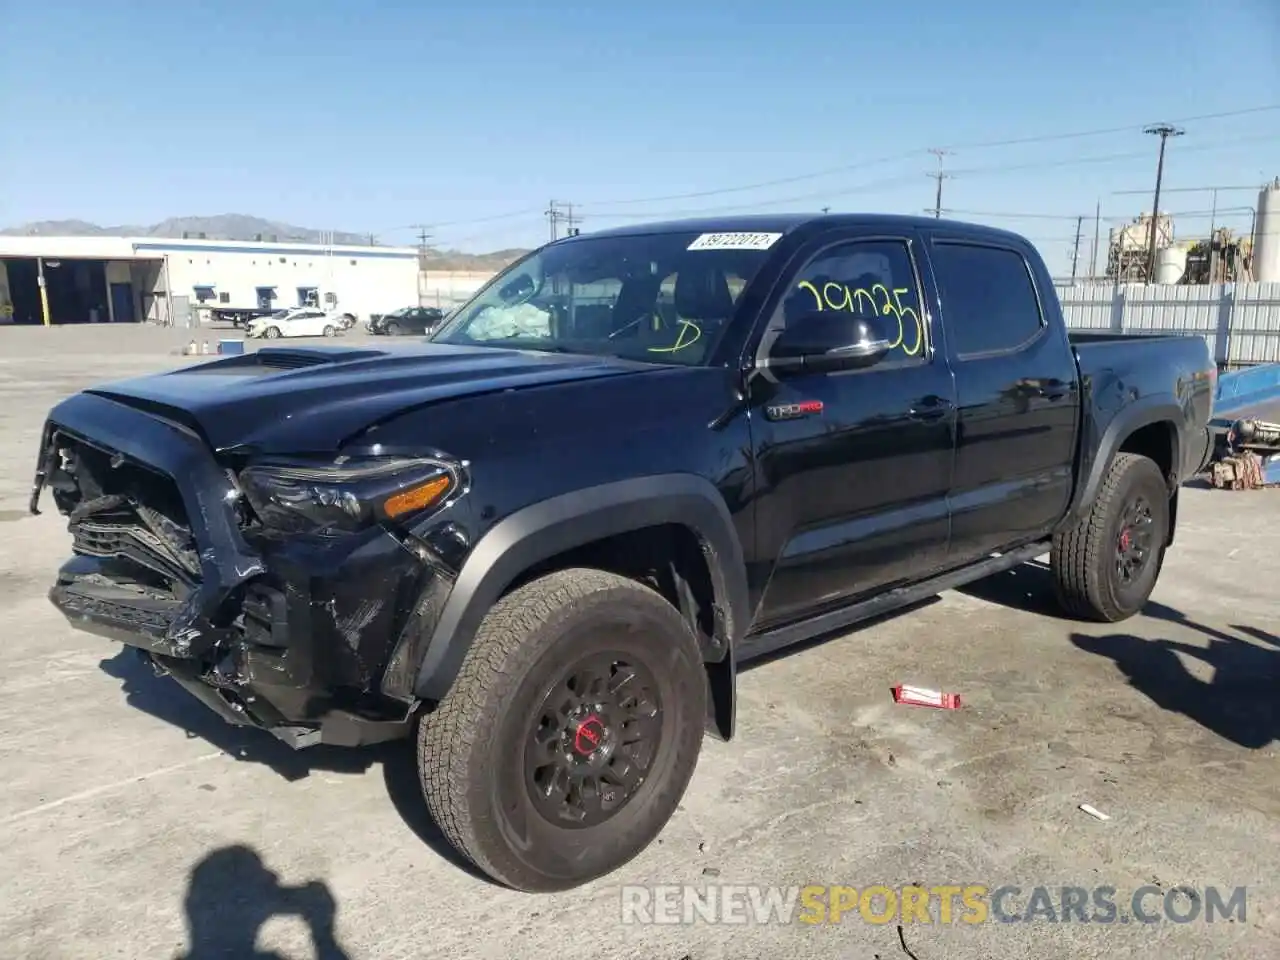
(542, 542)
(407, 320)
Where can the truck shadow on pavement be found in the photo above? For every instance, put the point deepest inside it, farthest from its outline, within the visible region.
(1242, 701)
(162, 698)
(231, 894)
(1239, 703)
(1027, 587)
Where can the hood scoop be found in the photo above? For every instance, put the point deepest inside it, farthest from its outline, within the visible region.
(294, 358)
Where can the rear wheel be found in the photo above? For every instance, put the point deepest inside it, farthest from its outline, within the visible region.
(571, 732)
(1107, 565)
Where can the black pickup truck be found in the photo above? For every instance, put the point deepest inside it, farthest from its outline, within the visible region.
(541, 541)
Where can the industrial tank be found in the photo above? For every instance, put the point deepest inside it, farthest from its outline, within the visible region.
(1171, 264)
(1266, 246)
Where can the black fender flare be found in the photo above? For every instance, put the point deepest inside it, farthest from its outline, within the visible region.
(1130, 419)
(544, 529)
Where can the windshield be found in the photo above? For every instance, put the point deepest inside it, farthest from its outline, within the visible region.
(661, 298)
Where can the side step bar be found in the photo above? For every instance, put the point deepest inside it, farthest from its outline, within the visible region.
(765, 643)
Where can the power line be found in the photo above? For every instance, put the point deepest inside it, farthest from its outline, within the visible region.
(1110, 157)
(983, 169)
(763, 184)
(1211, 189)
(755, 204)
(910, 154)
(493, 231)
(511, 215)
(1011, 216)
(1020, 215)
(1129, 128)
(900, 181)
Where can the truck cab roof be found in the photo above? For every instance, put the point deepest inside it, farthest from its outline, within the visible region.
(786, 223)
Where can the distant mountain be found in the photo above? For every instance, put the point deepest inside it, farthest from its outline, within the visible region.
(237, 226)
(472, 262)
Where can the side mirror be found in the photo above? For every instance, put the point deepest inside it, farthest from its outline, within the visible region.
(826, 340)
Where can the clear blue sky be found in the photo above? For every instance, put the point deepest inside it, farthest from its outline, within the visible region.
(375, 116)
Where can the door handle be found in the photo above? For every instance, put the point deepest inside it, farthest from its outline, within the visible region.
(930, 408)
(1052, 390)
(1051, 393)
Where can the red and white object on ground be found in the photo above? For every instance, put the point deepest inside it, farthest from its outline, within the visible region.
(924, 697)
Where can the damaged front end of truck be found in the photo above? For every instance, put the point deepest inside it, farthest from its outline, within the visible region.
(282, 592)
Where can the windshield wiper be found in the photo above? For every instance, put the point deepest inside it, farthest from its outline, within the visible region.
(555, 348)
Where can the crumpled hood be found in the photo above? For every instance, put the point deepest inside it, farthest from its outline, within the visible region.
(313, 399)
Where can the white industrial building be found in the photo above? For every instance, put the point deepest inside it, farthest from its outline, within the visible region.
(58, 280)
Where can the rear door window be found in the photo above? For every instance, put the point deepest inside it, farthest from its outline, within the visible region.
(989, 300)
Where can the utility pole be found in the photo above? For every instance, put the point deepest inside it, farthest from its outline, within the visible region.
(1164, 131)
(1213, 238)
(423, 237)
(939, 176)
(1097, 238)
(1075, 253)
(558, 212)
(553, 218)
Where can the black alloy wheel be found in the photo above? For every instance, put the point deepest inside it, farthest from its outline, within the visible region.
(593, 741)
(1134, 541)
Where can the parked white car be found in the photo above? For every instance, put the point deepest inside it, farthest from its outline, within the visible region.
(302, 322)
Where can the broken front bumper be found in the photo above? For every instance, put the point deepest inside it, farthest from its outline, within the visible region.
(290, 637)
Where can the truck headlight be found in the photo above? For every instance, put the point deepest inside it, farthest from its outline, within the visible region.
(297, 497)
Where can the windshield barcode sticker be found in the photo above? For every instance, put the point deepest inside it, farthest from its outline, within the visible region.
(735, 241)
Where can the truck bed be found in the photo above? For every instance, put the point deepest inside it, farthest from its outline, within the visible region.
(1173, 373)
(1080, 337)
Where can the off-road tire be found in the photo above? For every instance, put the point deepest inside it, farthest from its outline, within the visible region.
(471, 748)
(1083, 558)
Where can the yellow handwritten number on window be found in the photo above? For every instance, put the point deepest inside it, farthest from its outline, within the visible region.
(838, 296)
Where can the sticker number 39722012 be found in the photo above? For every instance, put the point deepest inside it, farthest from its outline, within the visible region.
(735, 241)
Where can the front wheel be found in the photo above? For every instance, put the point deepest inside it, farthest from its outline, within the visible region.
(570, 733)
(272, 333)
(329, 331)
(1107, 565)
(393, 329)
